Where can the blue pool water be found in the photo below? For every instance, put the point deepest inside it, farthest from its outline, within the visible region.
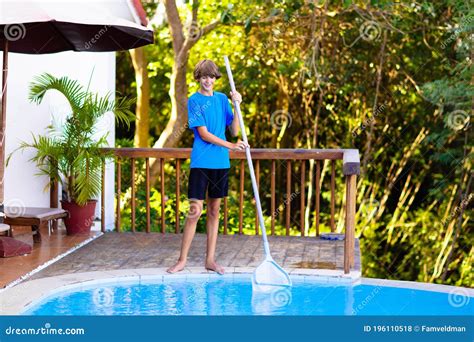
(228, 296)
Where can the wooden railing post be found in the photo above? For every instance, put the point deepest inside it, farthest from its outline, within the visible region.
(132, 160)
(147, 194)
(118, 219)
(178, 194)
(162, 181)
(317, 195)
(351, 168)
(350, 222)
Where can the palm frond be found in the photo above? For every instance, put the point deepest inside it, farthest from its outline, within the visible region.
(73, 151)
(71, 89)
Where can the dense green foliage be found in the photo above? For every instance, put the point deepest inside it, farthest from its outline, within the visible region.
(391, 79)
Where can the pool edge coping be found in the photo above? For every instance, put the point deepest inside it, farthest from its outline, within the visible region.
(15, 300)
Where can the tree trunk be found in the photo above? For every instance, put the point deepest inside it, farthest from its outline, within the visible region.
(177, 123)
(182, 45)
(142, 122)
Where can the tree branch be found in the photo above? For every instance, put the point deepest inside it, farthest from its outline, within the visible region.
(176, 26)
(191, 40)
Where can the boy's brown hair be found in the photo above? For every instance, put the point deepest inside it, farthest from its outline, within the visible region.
(206, 67)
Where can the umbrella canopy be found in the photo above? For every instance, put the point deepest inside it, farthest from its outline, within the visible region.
(40, 27)
(37, 27)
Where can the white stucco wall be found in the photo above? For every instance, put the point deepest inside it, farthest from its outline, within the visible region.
(22, 186)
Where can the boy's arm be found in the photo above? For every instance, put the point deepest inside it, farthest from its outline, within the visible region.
(234, 127)
(211, 138)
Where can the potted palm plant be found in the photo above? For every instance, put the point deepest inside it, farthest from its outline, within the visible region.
(71, 154)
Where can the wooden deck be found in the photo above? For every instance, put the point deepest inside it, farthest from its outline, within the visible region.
(114, 251)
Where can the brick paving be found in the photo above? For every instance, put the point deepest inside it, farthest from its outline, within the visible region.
(114, 251)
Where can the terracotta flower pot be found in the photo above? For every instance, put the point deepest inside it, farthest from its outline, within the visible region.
(80, 217)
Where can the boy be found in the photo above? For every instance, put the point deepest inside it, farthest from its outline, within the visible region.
(209, 113)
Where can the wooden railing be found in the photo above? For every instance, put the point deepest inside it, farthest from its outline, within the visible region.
(350, 170)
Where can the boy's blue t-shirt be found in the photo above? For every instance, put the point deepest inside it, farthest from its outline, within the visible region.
(216, 114)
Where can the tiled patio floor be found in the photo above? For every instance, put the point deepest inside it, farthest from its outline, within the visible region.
(49, 248)
(115, 251)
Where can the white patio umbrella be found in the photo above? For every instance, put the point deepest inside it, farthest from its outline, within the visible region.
(40, 27)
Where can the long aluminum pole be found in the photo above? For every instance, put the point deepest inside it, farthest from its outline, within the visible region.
(249, 161)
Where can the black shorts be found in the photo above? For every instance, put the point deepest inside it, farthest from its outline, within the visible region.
(216, 181)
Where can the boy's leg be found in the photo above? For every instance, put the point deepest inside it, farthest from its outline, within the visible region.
(212, 226)
(218, 188)
(195, 209)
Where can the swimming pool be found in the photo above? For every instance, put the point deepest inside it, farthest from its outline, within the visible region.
(233, 295)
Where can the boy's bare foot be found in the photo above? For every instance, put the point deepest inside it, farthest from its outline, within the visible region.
(179, 266)
(213, 266)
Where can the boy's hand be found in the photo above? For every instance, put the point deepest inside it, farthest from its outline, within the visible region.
(239, 145)
(236, 97)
